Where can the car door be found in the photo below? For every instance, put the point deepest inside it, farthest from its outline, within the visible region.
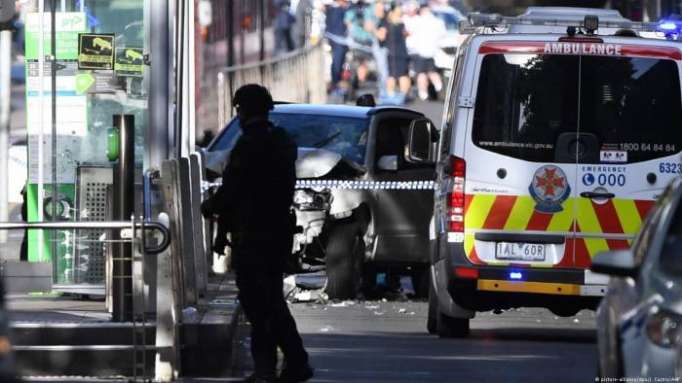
(402, 192)
(634, 300)
(622, 302)
(629, 152)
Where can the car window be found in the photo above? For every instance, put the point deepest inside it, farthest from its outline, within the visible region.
(453, 87)
(631, 104)
(523, 104)
(392, 139)
(526, 101)
(651, 225)
(671, 253)
(645, 237)
(344, 135)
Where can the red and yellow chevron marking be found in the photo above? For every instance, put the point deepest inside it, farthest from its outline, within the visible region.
(517, 213)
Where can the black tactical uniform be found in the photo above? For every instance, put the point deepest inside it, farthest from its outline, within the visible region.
(254, 205)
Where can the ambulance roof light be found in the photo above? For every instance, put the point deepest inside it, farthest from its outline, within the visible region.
(667, 26)
(586, 19)
(671, 27)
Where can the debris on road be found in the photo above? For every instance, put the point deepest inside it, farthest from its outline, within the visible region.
(306, 288)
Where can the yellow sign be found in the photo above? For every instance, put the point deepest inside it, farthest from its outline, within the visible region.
(96, 51)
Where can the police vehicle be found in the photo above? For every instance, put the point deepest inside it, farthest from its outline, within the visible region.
(561, 128)
(361, 205)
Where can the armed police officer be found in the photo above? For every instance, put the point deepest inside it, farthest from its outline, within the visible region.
(254, 204)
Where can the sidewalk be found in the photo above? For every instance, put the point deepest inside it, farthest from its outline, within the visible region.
(210, 336)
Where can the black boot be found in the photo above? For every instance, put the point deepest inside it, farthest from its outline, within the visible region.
(296, 374)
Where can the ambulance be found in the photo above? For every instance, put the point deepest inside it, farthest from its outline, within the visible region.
(561, 128)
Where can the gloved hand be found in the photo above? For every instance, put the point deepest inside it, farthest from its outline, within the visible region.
(207, 209)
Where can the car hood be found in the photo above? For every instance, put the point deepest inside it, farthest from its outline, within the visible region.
(316, 163)
(311, 162)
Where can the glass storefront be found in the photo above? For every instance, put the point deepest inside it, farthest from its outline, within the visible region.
(98, 71)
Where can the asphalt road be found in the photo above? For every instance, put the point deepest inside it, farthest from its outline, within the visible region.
(388, 342)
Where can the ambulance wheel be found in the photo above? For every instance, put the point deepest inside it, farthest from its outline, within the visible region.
(432, 319)
(345, 256)
(449, 327)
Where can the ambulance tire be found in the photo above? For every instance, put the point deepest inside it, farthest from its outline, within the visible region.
(449, 327)
(432, 319)
(345, 257)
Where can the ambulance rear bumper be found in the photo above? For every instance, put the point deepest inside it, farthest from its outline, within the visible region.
(506, 287)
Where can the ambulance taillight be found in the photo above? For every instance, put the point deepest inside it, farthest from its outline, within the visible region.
(456, 196)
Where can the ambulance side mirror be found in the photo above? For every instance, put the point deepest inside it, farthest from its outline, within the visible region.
(421, 142)
(620, 263)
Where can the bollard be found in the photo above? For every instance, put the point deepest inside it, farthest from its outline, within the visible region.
(124, 194)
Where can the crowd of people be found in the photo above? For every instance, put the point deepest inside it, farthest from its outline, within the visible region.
(400, 38)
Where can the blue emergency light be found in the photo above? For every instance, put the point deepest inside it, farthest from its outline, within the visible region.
(670, 27)
(516, 275)
(667, 26)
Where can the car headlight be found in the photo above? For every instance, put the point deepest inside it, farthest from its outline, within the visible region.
(312, 200)
(663, 328)
(302, 197)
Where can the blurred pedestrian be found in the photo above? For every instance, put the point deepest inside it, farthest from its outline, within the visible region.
(255, 198)
(303, 14)
(393, 31)
(374, 15)
(336, 31)
(355, 22)
(284, 21)
(426, 33)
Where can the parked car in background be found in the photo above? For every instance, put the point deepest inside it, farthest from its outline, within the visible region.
(639, 321)
(361, 205)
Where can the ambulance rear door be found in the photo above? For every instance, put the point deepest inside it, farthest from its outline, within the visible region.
(629, 144)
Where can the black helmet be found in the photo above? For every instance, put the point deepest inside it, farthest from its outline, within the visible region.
(253, 100)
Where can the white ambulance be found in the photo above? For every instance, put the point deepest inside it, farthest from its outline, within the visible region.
(561, 128)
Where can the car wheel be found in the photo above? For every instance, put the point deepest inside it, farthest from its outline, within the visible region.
(432, 319)
(449, 327)
(345, 256)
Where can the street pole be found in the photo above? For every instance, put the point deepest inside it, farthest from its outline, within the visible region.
(158, 130)
(5, 100)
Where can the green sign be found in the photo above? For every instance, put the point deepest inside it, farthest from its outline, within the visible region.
(83, 82)
(129, 62)
(96, 51)
(69, 25)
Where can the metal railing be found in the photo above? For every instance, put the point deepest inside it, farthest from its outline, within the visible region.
(298, 76)
(133, 225)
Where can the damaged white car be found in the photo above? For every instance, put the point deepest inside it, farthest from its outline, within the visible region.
(361, 204)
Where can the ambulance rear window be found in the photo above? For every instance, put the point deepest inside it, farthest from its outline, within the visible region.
(526, 101)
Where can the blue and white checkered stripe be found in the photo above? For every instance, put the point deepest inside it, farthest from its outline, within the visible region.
(365, 185)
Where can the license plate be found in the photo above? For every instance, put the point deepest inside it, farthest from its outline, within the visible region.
(531, 252)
